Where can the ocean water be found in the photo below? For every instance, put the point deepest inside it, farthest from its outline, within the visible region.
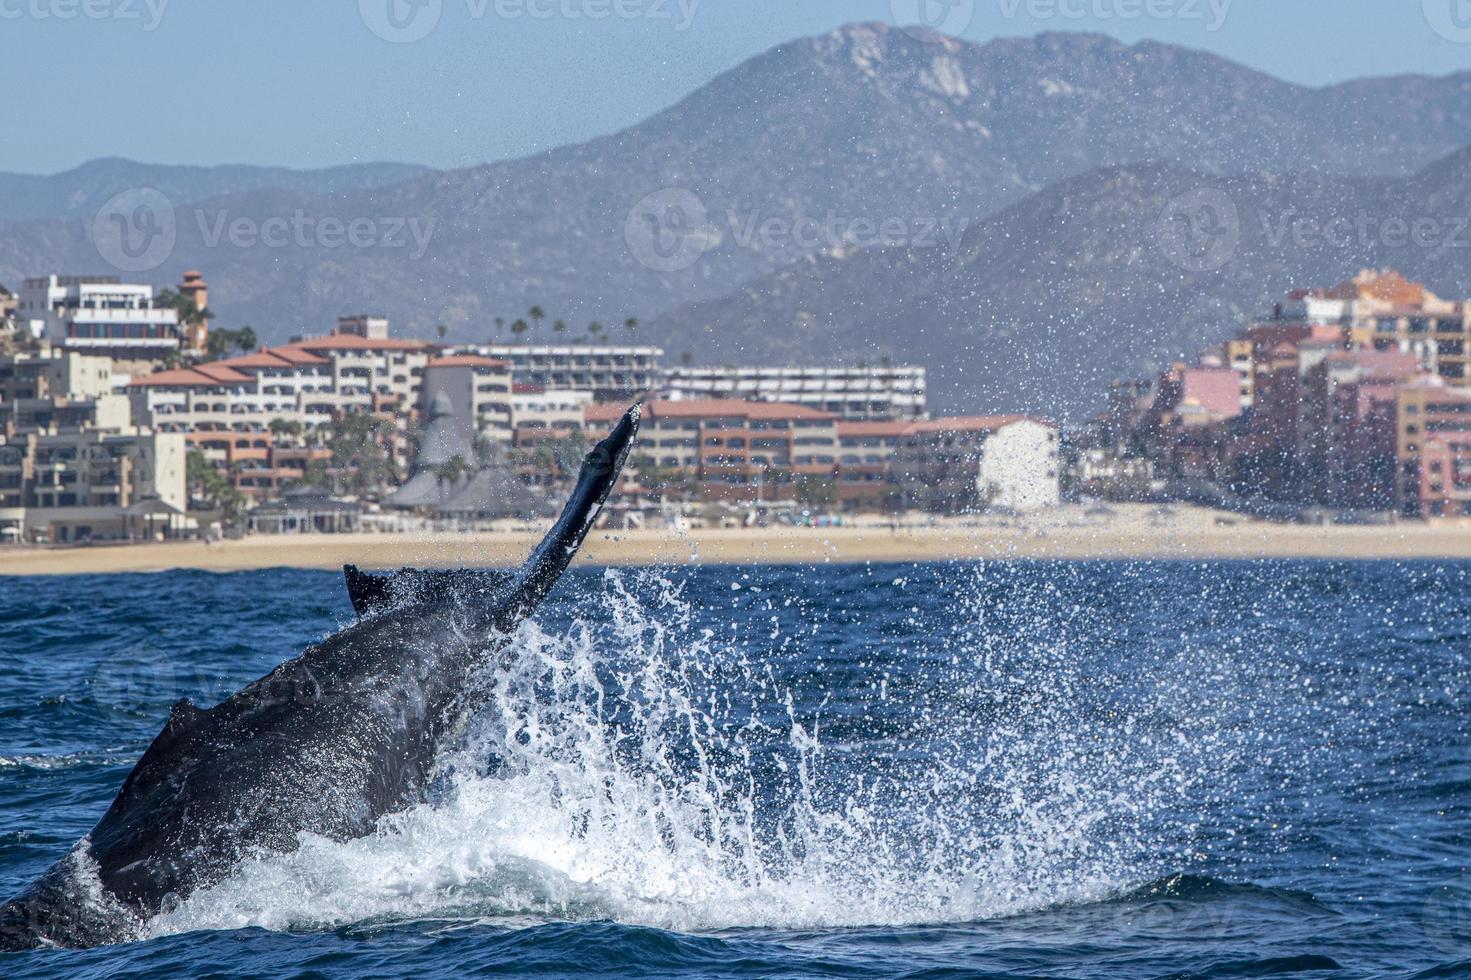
(973, 769)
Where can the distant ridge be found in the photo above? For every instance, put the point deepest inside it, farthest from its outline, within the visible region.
(80, 191)
(866, 124)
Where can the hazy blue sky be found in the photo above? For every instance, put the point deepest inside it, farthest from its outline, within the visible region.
(308, 83)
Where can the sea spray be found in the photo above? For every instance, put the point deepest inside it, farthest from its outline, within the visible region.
(659, 763)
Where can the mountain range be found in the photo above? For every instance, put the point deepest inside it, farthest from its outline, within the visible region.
(1028, 216)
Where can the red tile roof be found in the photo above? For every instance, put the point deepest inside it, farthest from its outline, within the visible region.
(204, 376)
(274, 357)
(342, 341)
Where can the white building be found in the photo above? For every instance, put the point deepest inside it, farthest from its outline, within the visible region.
(860, 394)
(610, 373)
(558, 412)
(100, 315)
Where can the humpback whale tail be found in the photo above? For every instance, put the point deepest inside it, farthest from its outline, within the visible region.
(600, 469)
(369, 705)
(371, 594)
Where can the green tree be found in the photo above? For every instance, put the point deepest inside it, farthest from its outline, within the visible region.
(286, 428)
(211, 487)
(452, 470)
(191, 314)
(361, 460)
(537, 315)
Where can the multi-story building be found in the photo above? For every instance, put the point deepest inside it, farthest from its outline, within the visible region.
(851, 393)
(1347, 431)
(737, 449)
(865, 459)
(478, 388)
(101, 315)
(538, 414)
(609, 373)
(388, 369)
(227, 408)
(1433, 450)
(950, 465)
(72, 464)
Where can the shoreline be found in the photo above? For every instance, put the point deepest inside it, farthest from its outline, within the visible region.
(1129, 531)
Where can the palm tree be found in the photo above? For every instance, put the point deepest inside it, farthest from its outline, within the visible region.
(560, 326)
(452, 471)
(519, 327)
(537, 315)
(594, 330)
(631, 324)
(442, 330)
(245, 339)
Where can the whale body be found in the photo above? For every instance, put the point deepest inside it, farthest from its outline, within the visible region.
(327, 743)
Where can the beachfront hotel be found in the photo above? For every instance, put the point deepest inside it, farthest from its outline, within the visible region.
(861, 394)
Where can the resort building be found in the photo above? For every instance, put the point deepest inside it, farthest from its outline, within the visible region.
(101, 315)
(865, 459)
(851, 393)
(966, 463)
(736, 449)
(1434, 450)
(538, 414)
(608, 373)
(92, 487)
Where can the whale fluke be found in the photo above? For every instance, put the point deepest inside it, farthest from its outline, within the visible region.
(326, 744)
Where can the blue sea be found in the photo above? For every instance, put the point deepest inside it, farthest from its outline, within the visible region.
(972, 769)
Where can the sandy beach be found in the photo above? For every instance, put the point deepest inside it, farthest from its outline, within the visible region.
(1129, 531)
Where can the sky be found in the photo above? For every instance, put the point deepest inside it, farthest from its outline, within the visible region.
(452, 83)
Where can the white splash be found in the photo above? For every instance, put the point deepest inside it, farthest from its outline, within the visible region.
(642, 770)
